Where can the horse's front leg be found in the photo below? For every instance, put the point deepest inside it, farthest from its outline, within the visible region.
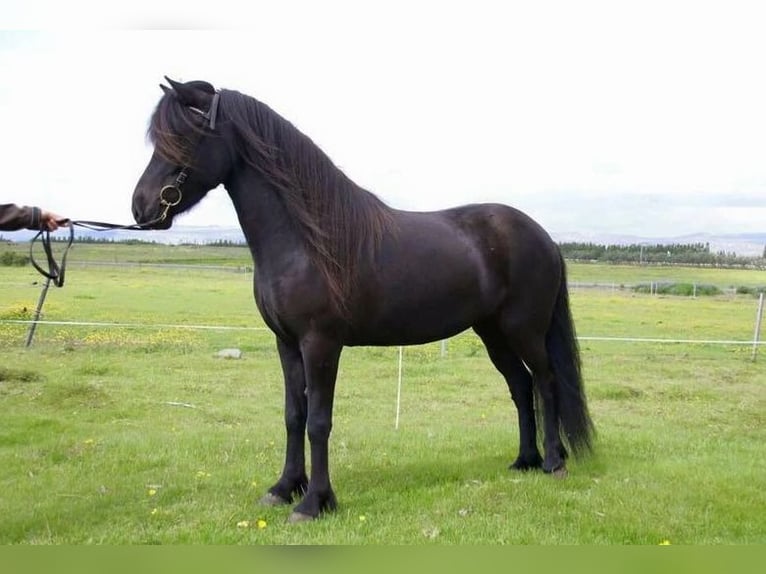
(320, 363)
(293, 481)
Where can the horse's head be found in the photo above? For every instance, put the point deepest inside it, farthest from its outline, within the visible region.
(190, 154)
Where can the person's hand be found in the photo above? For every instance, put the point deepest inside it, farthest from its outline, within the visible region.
(51, 221)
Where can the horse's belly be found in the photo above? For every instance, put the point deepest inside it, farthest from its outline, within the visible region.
(431, 317)
(412, 335)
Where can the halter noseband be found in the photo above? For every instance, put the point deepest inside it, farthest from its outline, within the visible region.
(175, 187)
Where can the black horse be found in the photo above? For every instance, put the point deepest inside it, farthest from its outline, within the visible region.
(335, 266)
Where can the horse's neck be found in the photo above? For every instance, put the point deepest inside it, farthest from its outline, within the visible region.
(270, 232)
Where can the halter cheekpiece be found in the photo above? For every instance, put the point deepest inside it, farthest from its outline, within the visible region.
(170, 195)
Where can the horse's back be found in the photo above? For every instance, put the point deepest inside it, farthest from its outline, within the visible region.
(510, 241)
(501, 227)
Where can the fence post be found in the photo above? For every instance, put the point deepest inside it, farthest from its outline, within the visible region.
(399, 390)
(444, 348)
(40, 301)
(757, 334)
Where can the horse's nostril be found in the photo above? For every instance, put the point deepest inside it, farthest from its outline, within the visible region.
(138, 213)
(142, 212)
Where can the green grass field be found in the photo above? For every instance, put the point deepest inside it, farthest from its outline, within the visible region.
(140, 435)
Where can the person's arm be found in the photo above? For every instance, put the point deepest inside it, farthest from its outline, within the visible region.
(14, 217)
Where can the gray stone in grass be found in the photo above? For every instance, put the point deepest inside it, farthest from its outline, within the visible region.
(229, 354)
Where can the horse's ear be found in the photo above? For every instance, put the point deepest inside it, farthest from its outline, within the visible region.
(182, 93)
(165, 89)
(197, 94)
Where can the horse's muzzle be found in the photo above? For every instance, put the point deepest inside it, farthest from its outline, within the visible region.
(152, 216)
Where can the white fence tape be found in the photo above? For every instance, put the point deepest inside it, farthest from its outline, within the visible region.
(135, 325)
(234, 328)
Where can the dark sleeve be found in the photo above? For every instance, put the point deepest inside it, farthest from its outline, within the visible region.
(14, 217)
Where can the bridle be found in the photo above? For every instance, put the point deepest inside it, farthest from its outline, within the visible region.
(175, 187)
(170, 196)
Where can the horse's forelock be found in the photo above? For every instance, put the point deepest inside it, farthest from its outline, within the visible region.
(167, 128)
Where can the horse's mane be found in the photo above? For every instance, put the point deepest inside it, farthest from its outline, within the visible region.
(341, 222)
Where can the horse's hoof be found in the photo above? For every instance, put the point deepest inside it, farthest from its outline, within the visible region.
(297, 517)
(560, 473)
(522, 465)
(270, 499)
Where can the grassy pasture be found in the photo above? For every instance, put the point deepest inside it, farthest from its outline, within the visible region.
(140, 435)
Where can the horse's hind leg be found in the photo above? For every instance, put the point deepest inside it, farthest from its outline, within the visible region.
(519, 383)
(532, 351)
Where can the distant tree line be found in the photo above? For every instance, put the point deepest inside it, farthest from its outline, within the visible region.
(658, 254)
(102, 239)
(226, 243)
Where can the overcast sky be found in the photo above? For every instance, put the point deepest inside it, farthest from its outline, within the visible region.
(635, 118)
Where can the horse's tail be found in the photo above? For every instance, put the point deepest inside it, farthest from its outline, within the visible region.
(564, 356)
